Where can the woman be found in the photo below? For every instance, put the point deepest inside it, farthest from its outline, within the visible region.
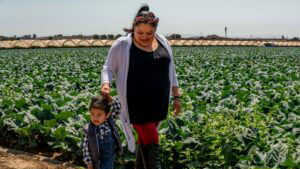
(145, 76)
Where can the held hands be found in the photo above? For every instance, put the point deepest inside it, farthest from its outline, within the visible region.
(105, 91)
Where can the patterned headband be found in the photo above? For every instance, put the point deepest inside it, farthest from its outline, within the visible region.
(146, 19)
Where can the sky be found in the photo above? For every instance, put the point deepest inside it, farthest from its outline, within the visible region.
(243, 18)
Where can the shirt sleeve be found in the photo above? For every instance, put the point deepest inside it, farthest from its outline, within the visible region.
(110, 66)
(174, 81)
(86, 152)
(116, 109)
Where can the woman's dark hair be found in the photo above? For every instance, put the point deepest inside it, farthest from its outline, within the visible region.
(100, 102)
(144, 15)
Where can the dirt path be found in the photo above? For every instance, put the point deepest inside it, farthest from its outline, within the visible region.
(19, 160)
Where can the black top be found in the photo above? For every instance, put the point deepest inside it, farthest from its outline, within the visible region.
(148, 85)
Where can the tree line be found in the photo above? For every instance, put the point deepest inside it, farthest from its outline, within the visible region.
(112, 37)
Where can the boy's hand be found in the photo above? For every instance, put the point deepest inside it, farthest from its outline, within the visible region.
(90, 166)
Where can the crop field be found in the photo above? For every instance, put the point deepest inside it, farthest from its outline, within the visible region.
(240, 105)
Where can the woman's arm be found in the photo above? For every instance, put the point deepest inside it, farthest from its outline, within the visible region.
(175, 87)
(110, 68)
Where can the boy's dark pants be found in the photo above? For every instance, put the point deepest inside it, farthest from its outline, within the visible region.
(107, 152)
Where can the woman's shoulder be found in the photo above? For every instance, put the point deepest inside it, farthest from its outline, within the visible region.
(163, 40)
(121, 41)
(161, 37)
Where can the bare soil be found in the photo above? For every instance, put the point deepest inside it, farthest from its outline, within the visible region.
(24, 161)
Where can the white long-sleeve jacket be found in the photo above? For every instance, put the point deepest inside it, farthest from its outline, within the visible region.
(116, 65)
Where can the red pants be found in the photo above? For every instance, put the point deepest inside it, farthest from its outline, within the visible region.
(147, 133)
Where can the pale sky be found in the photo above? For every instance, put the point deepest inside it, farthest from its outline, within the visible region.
(243, 18)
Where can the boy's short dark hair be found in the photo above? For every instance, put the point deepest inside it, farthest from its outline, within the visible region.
(100, 102)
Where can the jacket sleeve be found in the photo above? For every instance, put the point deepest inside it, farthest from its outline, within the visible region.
(174, 75)
(116, 109)
(111, 64)
(174, 81)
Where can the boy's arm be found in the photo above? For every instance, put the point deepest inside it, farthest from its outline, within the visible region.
(86, 152)
(116, 108)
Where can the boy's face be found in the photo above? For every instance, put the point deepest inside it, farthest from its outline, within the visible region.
(98, 116)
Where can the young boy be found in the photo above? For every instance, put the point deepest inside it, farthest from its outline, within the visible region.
(101, 138)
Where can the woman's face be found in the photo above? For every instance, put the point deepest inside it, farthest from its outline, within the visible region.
(144, 34)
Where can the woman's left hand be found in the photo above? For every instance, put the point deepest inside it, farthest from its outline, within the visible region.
(176, 107)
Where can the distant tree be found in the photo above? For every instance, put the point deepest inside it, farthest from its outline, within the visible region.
(103, 36)
(174, 36)
(226, 32)
(34, 36)
(26, 37)
(110, 36)
(282, 37)
(50, 37)
(295, 38)
(58, 36)
(96, 36)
